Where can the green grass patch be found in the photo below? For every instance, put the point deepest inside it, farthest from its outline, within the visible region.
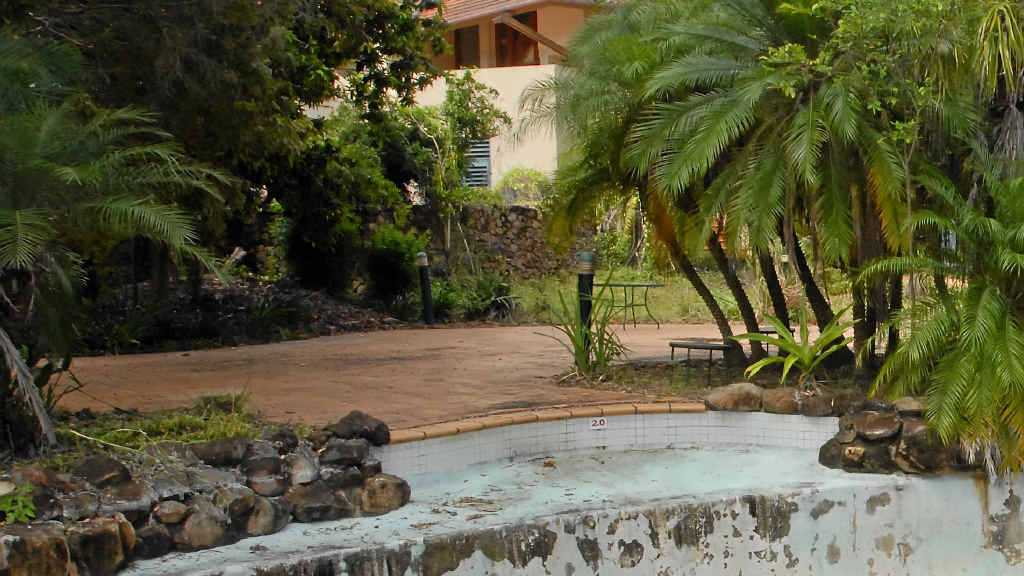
(209, 418)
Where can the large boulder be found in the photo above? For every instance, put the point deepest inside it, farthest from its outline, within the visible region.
(153, 540)
(100, 546)
(264, 469)
(345, 452)
(830, 454)
(134, 499)
(302, 466)
(359, 425)
(819, 404)
(876, 425)
(171, 512)
(282, 437)
(918, 450)
(316, 502)
(868, 457)
(383, 493)
(342, 478)
(103, 471)
(80, 505)
(268, 516)
(739, 397)
(848, 401)
(205, 479)
(909, 406)
(173, 483)
(39, 549)
(206, 526)
(781, 400)
(236, 501)
(223, 452)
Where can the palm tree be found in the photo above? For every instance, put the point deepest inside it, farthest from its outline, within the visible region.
(74, 177)
(595, 99)
(771, 120)
(966, 345)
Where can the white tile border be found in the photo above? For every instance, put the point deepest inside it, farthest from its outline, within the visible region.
(627, 432)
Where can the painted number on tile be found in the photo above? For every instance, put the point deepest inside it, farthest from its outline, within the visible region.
(599, 423)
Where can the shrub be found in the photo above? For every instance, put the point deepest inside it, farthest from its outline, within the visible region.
(486, 294)
(18, 505)
(593, 347)
(524, 186)
(805, 355)
(391, 262)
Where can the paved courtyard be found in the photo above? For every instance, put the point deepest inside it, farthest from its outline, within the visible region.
(405, 377)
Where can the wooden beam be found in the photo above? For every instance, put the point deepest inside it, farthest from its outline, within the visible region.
(508, 20)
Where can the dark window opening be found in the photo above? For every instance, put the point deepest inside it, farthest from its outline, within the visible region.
(467, 47)
(515, 49)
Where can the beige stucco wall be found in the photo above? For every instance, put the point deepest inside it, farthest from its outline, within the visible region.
(539, 148)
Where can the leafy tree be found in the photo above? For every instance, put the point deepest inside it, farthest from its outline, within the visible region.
(335, 190)
(74, 177)
(596, 99)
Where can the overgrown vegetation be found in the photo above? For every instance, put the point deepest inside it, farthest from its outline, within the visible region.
(831, 130)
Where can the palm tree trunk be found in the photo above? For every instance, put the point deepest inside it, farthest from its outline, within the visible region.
(895, 305)
(771, 280)
(823, 314)
(738, 293)
(637, 240)
(664, 230)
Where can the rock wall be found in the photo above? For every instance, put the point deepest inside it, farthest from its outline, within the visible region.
(509, 240)
(189, 497)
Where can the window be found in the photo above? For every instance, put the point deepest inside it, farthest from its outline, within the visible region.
(478, 165)
(467, 47)
(515, 49)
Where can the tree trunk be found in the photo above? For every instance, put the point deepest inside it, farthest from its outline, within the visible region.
(819, 305)
(771, 280)
(664, 230)
(637, 244)
(895, 305)
(736, 288)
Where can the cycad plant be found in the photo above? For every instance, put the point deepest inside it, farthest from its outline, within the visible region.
(74, 179)
(964, 347)
(804, 354)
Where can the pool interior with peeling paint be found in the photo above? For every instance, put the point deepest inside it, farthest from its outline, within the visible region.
(683, 510)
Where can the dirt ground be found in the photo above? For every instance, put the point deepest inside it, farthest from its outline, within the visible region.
(405, 377)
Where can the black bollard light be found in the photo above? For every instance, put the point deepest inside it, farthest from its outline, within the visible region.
(585, 285)
(423, 263)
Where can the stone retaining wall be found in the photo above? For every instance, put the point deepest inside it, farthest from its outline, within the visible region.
(188, 497)
(509, 240)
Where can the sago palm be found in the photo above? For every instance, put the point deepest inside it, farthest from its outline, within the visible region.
(965, 342)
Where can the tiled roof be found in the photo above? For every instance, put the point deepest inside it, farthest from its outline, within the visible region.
(456, 11)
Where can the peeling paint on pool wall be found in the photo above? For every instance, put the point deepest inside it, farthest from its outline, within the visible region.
(910, 530)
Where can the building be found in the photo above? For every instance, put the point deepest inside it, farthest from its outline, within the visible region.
(509, 45)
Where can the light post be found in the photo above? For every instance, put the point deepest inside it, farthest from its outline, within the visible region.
(585, 286)
(423, 263)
